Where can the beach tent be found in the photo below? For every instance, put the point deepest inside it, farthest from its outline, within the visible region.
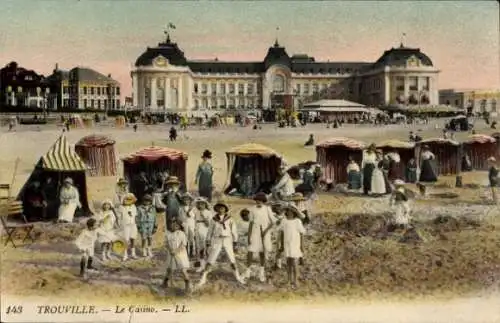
(154, 160)
(120, 122)
(60, 162)
(405, 149)
(446, 152)
(76, 121)
(98, 152)
(333, 156)
(480, 148)
(263, 161)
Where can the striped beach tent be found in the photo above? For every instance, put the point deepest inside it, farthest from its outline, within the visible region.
(480, 148)
(446, 152)
(58, 163)
(333, 156)
(154, 160)
(263, 162)
(98, 152)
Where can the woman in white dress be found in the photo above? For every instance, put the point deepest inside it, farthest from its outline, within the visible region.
(378, 186)
(128, 226)
(177, 257)
(261, 221)
(292, 242)
(187, 216)
(203, 218)
(106, 220)
(70, 201)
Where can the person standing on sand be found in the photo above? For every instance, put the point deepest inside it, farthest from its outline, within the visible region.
(368, 165)
(146, 224)
(284, 187)
(203, 219)
(86, 244)
(353, 175)
(177, 257)
(127, 223)
(106, 220)
(204, 176)
(172, 199)
(428, 172)
(493, 178)
(70, 201)
(399, 200)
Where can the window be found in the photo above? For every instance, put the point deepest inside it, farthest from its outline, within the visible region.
(279, 84)
(213, 87)
(222, 88)
(98, 91)
(92, 90)
(203, 88)
(66, 103)
(400, 83)
(315, 88)
(231, 88)
(196, 88)
(306, 88)
(241, 89)
(457, 102)
(99, 104)
(117, 103)
(493, 105)
(117, 91)
(196, 102)
(85, 103)
(65, 89)
(298, 88)
(214, 104)
(105, 104)
(250, 88)
(92, 103)
(413, 80)
(426, 84)
(85, 90)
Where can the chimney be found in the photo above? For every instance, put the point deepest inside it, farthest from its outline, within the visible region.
(57, 66)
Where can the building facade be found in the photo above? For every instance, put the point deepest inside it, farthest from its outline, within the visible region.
(23, 87)
(84, 88)
(476, 101)
(164, 79)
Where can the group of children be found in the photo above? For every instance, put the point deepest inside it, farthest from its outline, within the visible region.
(198, 233)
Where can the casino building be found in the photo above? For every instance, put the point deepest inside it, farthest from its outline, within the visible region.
(164, 79)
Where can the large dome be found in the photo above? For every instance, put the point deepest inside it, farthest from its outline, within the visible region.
(168, 49)
(399, 56)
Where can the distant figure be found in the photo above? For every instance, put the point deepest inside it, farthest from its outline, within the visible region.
(411, 137)
(493, 178)
(173, 134)
(493, 125)
(466, 163)
(411, 171)
(310, 141)
(353, 175)
(204, 176)
(368, 165)
(428, 173)
(67, 125)
(135, 127)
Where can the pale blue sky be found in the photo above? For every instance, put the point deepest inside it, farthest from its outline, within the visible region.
(461, 37)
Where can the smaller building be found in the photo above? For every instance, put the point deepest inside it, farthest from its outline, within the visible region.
(85, 88)
(25, 88)
(475, 101)
(329, 110)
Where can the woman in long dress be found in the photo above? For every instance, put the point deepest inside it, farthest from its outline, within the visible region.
(369, 164)
(204, 176)
(411, 171)
(394, 166)
(353, 175)
(428, 172)
(378, 184)
(386, 166)
(70, 201)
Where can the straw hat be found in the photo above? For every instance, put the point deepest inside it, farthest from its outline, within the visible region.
(68, 180)
(109, 202)
(292, 208)
(221, 204)
(172, 180)
(399, 182)
(297, 197)
(201, 200)
(122, 181)
(261, 196)
(129, 199)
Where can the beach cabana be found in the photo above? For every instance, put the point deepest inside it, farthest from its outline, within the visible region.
(98, 152)
(264, 163)
(59, 162)
(333, 156)
(120, 122)
(446, 152)
(405, 149)
(480, 148)
(154, 160)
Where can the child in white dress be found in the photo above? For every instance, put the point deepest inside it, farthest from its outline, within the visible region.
(261, 221)
(121, 191)
(128, 226)
(177, 257)
(279, 211)
(399, 200)
(292, 242)
(106, 220)
(85, 242)
(203, 218)
(187, 216)
(223, 234)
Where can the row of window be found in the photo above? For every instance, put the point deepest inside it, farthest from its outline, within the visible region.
(96, 104)
(413, 83)
(204, 88)
(310, 88)
(94, 90)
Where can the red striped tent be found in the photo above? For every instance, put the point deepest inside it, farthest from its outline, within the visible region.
(496, 135)
(480, 148)
(263, 160)
(98, 152)
(154, 160)
(333, 156)
(60, 162)
(405, 149)
(446, 152)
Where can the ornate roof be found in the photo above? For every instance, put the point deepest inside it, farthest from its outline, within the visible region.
(399, 56)
(167, 49)
(277, 55)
